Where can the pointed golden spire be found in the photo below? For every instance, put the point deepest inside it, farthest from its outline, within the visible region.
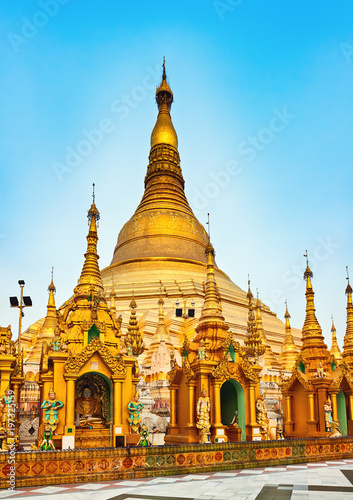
(90, 280)
(311, 327)
(134, 336)
(254, 346)
(313, 350)
(259, 325)
(348, 338)
(335, 350)
(289, 350)
(112, 299)
(211, 308)
(50, 324)
(164, 132)
(161, 331)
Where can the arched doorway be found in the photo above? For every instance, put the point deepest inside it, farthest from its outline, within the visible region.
(342, 412)
(232, 399)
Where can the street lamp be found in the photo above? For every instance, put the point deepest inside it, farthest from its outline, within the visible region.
(20, 304)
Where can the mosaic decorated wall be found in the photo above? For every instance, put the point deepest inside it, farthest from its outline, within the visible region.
(59, 467)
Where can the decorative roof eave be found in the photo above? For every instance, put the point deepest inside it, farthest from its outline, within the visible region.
(115, 363)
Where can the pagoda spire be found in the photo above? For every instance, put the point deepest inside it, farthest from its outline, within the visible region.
(47, 330)
(112, 300)
(164, 218)
(335, 350)
(311, 328)
(134, 335)
(269, 356)
(254, 346)
(90, 280)
(259, 325)
(164, 132)
(348, 338)
(211, 309)
(288, 354)
(313, 349)
(211, 327)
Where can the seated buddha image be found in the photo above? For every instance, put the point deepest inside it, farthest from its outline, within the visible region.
(88, 410)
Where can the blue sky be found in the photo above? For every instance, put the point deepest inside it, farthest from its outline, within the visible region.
(263, 111)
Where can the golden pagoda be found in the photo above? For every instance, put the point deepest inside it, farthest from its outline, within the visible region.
(316, 382)
(82, 369)
(214, 364)
(163, 244)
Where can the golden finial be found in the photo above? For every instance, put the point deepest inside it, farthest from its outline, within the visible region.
(93, 211)
(209, 227)
(51, 287)
(308, 272)
(349, 288)
(164, 76)
(249, 294)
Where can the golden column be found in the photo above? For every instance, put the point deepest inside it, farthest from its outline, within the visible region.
(70, 404)
(173, 409)
(334, 405)
(117, 388)
(310, 396)
(192, 403)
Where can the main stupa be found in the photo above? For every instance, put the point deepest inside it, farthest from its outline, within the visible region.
(161, 250)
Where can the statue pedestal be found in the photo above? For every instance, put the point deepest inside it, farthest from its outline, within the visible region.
(233, 433)
(93, 438)
(131, 439)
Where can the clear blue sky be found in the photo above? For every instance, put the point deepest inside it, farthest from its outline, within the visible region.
(263, 111)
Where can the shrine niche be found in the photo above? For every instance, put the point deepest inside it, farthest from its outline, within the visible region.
(85, 367)
(318, 397)
(215, 364)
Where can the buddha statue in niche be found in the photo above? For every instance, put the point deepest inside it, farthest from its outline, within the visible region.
(88, 410)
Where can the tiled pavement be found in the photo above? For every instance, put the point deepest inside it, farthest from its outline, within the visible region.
(315, 481)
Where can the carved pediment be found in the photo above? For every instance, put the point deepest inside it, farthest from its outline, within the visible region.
(115, 363)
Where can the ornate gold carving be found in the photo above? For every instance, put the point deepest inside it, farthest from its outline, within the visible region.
(189, 374)
(248, 371)
(115, 363)
(221, 371)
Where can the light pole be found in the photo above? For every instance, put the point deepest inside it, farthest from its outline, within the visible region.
(24, 302)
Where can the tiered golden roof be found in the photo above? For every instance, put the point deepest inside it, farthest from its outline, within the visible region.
(211, 328)
(314, 350)
(87, 314)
